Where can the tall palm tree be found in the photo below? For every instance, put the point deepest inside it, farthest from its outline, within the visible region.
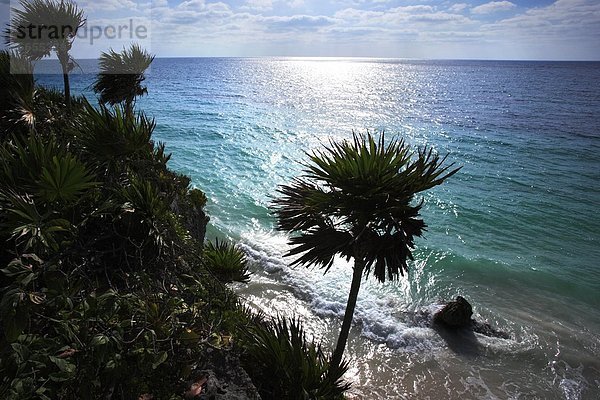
(356, 200)
(121, 76)
(41, 27)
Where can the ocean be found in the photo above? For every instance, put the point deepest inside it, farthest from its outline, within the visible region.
(516, 232)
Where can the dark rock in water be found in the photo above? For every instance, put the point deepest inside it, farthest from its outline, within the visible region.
(455, 314)
(488, 330)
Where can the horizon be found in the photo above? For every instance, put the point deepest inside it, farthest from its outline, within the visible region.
(538, 30)
(357, 58)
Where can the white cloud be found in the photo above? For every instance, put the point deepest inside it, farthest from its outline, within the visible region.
(453, 36)
(297, 22)
(458, 7)
(267, 5)
(295, 3)
(108, 5)
(559, 21)
(208, 27)
(192, 5)
(409, 17)
(258, 5)
(492, 7)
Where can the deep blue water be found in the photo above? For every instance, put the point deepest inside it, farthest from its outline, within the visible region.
(517, 231)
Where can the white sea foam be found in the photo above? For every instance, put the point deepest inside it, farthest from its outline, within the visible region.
(379, 313)
(570, 379)
(383, 316)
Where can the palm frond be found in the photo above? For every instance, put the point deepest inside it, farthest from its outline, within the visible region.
(17, 91)
(43, 169)
(65, 179)
(357, 198)
(108, 136)
(122, 74)
(319, 246)
(39, 27)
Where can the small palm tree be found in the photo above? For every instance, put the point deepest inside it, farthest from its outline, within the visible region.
(356, 200)
(121, 76)
(41, 27)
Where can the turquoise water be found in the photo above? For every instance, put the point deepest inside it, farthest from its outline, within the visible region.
(516, 232)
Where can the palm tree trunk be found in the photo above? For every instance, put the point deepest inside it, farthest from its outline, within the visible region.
(336, 359)
(64, 62)
(67, 90)
(129, 108)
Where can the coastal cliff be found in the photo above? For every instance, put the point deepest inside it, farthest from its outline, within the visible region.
(105, 292)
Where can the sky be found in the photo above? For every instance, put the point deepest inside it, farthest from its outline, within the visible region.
(424, 29)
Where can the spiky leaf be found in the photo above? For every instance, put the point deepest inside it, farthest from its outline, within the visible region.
(65, 179)
(357, 199)
(226, 261)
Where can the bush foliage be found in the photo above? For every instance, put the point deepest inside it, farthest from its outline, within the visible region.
(105, 291)
(289, 366)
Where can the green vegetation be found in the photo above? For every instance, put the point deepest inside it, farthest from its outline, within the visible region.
(17, 92)
(41, 27)
(121, 76)
(107, 289)
(227, 262)
(289, 366)
(356, 200)
(103, 291)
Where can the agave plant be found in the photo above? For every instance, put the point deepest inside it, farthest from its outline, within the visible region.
(121, 76)
(42, 169)
(296, 368)
(143, 198)
(41, 27)
(356, 200)
(226, 261)
(145, 219)
(22, 160)
(17, 91)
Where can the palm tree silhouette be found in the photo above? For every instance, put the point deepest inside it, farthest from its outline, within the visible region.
(121, 76)
(45, 26)
(356, 200)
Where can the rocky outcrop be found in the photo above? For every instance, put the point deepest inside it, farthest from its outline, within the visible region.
(487, 330)
(222, 378)
(458, 314)
(194, 218)
(455, 314)
(195, 222)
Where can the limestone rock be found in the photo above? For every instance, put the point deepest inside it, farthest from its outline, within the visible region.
(223, 378)
(455, 314)
(486, 329)
(194, 218)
